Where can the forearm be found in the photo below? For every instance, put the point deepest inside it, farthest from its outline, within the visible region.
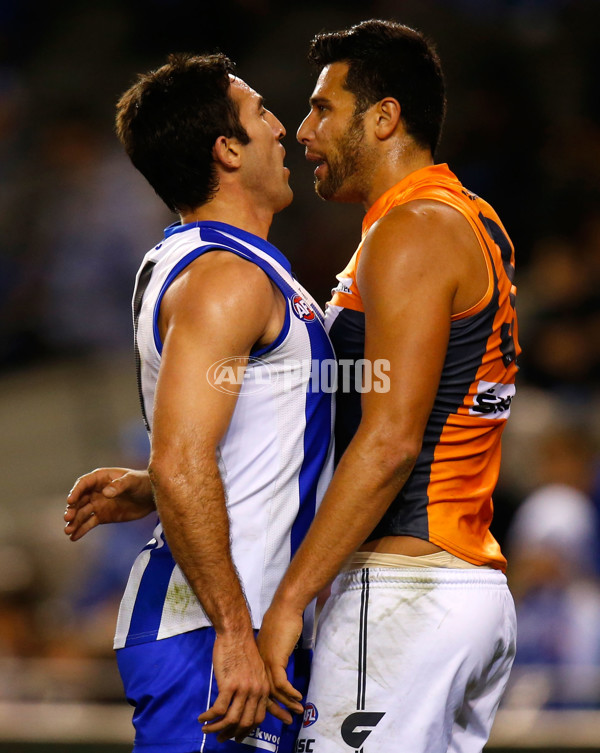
(192, 509)
(363, 486)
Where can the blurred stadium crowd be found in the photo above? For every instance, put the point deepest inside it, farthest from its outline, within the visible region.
(523, 130)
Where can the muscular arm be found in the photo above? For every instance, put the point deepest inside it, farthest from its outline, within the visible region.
(408, 277)
(219, 307)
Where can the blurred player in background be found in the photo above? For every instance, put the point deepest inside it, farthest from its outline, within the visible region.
(415, 643)
(240, 453)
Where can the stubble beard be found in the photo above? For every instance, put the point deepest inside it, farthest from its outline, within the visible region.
(344, 164)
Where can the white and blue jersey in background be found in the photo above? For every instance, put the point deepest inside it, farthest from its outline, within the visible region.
(275, 459)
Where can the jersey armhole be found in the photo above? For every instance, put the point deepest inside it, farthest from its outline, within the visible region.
(186, 261)
(285, 328)
(177, 269)
(487, 296)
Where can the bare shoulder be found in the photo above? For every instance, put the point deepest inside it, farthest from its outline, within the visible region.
(419, 234)
(425, 240)
(430, 238)
(217, 272)
(221, 280)
(422, 225)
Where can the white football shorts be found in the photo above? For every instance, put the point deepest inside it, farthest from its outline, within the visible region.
(409, 660)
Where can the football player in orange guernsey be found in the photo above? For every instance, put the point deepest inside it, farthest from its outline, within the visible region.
(415, 642)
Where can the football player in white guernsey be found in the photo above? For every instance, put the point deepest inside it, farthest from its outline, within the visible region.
(236, 470)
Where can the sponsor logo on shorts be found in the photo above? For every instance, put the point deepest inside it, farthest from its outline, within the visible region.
(263, 740)
(310, 715)
(302, 309)
(305, 746)
(358, 726)
(492, 400)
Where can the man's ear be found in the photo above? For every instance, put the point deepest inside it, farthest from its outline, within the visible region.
(227, 152)
(387, 116)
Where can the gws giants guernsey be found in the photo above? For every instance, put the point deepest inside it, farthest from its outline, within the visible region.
(276, 458)
(448, 497)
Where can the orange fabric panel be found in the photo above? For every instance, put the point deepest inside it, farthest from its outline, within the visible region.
(466, 459)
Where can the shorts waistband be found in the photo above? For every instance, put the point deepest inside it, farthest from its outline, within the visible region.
(405, 577)
(444, 559)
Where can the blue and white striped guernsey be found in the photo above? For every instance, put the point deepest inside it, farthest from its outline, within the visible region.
(276, 458)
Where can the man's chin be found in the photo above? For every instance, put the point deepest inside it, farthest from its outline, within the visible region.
(323, 190)
(286, 200)
(342, 194)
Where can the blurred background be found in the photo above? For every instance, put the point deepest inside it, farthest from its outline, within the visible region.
(523, 130)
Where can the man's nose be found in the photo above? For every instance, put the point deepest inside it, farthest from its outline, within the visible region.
(303, 133)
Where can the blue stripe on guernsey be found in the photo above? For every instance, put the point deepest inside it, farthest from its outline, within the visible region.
(317, 437)
(146, 615)
(177, 269)
(223, 227)
(278, 340)
(212, 234)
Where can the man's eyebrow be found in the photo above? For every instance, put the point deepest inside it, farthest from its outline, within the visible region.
(319, 100)
(260, 103)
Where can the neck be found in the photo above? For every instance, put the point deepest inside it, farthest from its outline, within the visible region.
(233, 210)
(399, 161)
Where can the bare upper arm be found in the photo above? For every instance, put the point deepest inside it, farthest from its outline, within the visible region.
(411, 276)
(219, 307)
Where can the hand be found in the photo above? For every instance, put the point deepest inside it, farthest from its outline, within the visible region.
(107, 495)
(280, 632)
(243, 698)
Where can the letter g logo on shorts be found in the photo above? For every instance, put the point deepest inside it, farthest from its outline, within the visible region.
(358, 726)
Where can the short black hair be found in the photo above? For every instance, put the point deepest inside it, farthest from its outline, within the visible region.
(169, 120)
(387, 59)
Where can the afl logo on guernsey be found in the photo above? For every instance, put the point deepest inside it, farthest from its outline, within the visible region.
(302, 309)
(310, 715)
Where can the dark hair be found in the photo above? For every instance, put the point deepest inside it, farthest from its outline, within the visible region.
(387, 59)
(169, 120)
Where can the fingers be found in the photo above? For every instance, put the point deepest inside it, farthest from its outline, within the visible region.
(86, 484)
(283, 691)
(231, 725)
(84, 509)
(237, 717)
(253, 715)
(80, 521)
(95, 481)
(249, 722)
(275, 710)
(126, 482)
(226, 714)
(217, 710)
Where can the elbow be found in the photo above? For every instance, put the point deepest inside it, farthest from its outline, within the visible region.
(160, 477)
(167, 474)
(393, 452)
(170, 489)
(401, 458)
(177, 470)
